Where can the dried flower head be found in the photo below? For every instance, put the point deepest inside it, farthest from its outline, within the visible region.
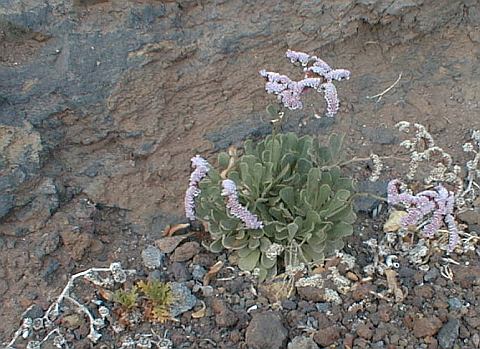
(377, 167)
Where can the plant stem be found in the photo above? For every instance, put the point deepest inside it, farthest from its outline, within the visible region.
(355, 195)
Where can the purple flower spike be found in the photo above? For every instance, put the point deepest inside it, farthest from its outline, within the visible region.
(331, 98)
(338, 75)
(289, 92)
(201, 168)
(437, 205)
(236, 209)
(295, 56)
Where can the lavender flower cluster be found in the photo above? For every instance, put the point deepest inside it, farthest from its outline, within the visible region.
(289, 92)
(438, 204)
(236, 209)
(201, 168)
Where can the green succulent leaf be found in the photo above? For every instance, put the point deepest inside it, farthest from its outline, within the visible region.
(223, 160)
(287, 194)
(249, 262)
(216, 246)
(292, 230)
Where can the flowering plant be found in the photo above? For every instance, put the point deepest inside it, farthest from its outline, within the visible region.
(284, 194)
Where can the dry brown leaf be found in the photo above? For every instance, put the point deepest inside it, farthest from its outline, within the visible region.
(170, 243)
(201, 312)
(214, 269)
(106, 295)
(393, 285)
(393, 222)
(170, 230)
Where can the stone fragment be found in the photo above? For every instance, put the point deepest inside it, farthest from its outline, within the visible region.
(448, 334)
(466, 276)
(48, 243)
(327, 336)
(266, 331)
(186, 251)
(179, 271)
(364, 331)
(301, 342)
(311, 294)
(198, 272)
(224, 317)
(427, 326)
(169, 243)
(184, 300)
(152, 257)
(76, 244)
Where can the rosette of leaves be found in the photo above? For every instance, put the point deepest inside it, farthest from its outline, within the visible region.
(295, 188)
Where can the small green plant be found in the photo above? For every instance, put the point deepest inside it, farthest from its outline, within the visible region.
(159, 298)
(288, 195)
(126, 299)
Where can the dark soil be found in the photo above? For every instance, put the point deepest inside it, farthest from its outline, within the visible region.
(103, 103)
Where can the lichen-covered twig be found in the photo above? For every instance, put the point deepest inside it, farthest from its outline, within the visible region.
(422, 148)
(119, 275)
(473, 172)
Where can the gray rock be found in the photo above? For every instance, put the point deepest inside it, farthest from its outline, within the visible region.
(266, 331)
(180, 272)
(198, 272)
(455, 303)
(48, 243)
(184, 299)
(301, 342)
(51, 267)
(35, 311)
(156, 275)
(6, 204)
(289, 304)
(448, 334)
(152, 257)
(431, 275)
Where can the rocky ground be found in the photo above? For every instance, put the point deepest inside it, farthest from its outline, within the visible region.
(104, 102)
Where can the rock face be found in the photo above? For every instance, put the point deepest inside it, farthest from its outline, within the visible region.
(266, 331)
(97, 92)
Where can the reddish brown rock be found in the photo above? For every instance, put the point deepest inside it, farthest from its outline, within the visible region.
(224, 317)
(384, 312)
(362, 292)
(186, 251)
(76, 243)
(327, 336)
(266, 331)
(427, 326)
(365, 331)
